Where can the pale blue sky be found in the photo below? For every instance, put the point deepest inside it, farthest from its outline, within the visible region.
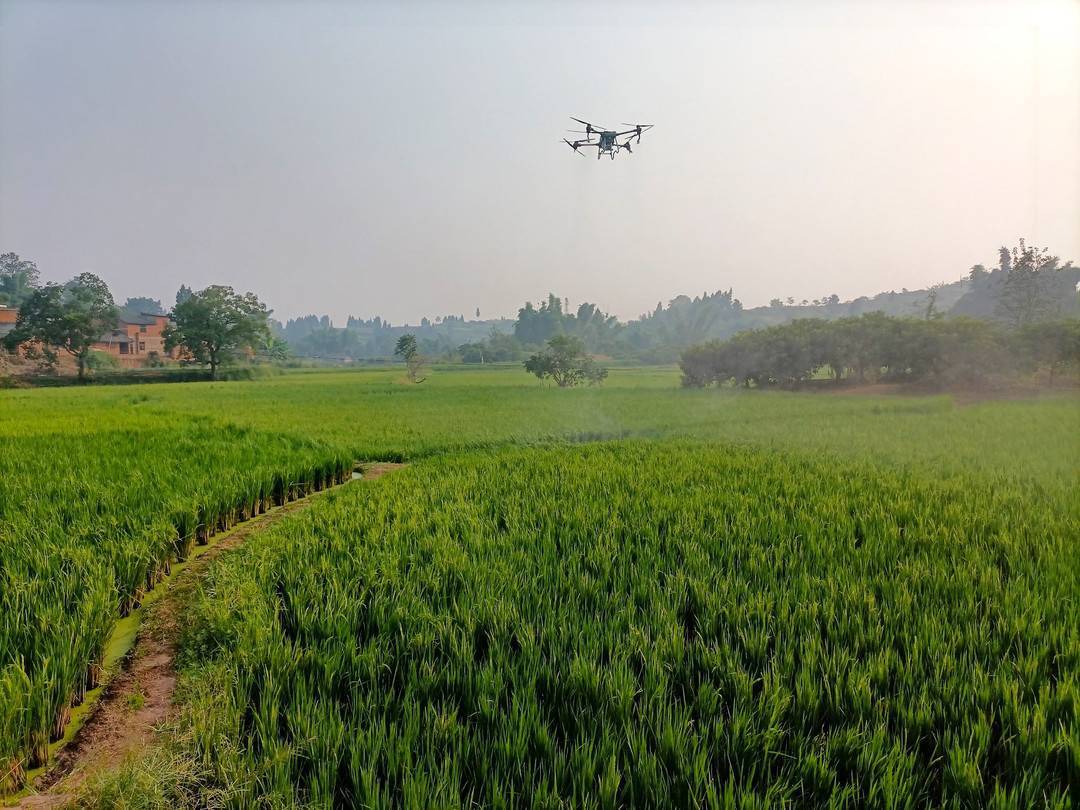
(366, 158)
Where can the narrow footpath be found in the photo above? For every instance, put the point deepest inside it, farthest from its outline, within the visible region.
(139, 698)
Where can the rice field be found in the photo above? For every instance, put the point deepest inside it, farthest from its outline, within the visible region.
(90, 520)
(647, 624)
(632, 595)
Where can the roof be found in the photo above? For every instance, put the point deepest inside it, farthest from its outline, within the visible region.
(114, 337)
(141, 318)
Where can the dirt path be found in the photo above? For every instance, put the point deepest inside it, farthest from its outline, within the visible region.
(140, 697)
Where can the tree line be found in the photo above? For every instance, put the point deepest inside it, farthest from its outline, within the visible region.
(878, 347)
(209, 327)
(1028, 286)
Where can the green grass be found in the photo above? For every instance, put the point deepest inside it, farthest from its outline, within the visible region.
(101, 486)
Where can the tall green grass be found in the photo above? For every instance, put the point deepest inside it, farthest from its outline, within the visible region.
(648, 624)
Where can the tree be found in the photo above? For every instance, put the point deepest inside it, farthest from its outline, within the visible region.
(71, 317)
(535, 325)
(472, 352)
(978, 275)
(18, 279)
(183, 294)
(502, 347)
(215, 324)
(141, 305)
(408, 351)
(1054, 345)
(1027, 294)
(565, 361)
(930, 310)
(274, 348)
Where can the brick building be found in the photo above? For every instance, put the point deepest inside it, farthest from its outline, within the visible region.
(133, 342)
(136, 341)
(8, 316)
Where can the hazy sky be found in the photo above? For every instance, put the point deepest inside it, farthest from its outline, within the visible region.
(404, 160)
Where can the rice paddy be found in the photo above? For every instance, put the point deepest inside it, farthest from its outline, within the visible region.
(626, 596)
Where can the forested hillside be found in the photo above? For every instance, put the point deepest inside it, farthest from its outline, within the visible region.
(1027, 286)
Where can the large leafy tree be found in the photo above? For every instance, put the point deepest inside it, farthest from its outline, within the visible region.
(214, 325)
(564, 360)
(70, 318)
(18, 279)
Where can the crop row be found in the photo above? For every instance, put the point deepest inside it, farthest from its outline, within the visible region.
(648, 624)
(89, 523)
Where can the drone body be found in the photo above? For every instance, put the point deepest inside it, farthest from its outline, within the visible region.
(607, 142)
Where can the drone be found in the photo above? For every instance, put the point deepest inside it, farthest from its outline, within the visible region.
(608, 139)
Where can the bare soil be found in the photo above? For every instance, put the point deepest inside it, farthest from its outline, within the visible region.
(140, 698)
(376, 469)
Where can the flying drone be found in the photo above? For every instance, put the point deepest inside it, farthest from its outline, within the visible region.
(607, 139)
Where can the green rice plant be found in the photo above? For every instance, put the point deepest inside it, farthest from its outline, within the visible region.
(89, 521)
(649, 624)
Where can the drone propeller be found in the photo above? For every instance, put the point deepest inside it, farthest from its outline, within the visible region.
(639, 127)
(573, 146)
(589, 128)
(580, 131)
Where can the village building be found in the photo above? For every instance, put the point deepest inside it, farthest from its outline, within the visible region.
(134, 341)
(137, 341)
(8, 316)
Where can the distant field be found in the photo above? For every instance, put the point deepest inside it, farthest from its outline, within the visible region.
(857, 591)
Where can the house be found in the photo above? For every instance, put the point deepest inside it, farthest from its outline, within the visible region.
(134, 341)
(8, 316)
